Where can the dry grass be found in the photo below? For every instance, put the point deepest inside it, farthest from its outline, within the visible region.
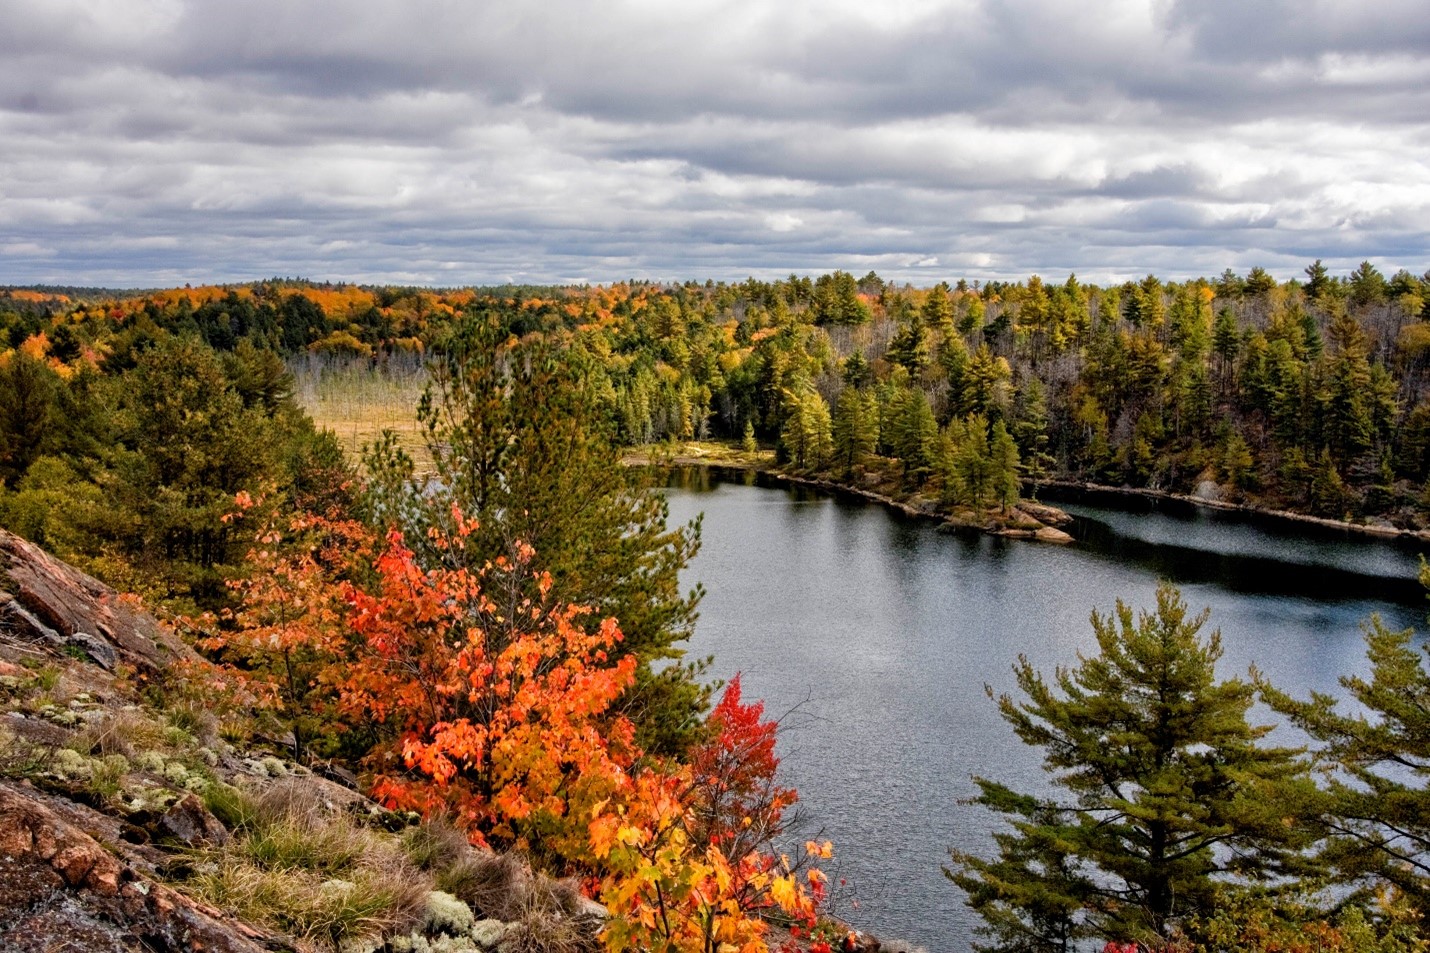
(715, 453)
(436, 844)
(368, 904)
(313, 874)
(123, 732)
(548, 916)
(357, 401)
(543, 928)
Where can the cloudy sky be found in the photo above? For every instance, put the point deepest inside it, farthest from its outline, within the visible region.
(153, 142)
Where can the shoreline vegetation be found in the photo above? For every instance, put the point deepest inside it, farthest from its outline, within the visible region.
(1027, 519)
(1051, 520)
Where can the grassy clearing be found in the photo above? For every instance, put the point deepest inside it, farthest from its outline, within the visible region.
(709, 452)
(358, 399)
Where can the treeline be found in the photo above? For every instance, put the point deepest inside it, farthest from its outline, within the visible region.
(1305, 395)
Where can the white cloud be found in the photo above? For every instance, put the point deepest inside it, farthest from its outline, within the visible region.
(421, 142)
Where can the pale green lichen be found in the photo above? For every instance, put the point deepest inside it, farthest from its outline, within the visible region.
(417, 943)
(489, 933)
(447, 914)
(68, 763)
(149, 761)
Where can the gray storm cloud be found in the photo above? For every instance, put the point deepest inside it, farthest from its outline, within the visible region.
(165, 141)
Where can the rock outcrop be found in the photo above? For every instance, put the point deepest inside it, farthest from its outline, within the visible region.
(62, 890)
(48, 604)
(111, 837)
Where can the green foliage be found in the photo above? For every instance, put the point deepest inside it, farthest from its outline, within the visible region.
(131, 472)
(1293, 924)
(806, 439)
(519, 446)
(1175, 800)
(1375, 812)
(27, 411)
(855, 430)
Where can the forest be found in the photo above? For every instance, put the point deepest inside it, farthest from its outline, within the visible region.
(483, 618)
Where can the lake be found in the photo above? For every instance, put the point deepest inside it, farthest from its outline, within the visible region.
(874, 634)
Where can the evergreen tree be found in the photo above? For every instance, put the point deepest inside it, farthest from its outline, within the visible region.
(856, 429)
(518, 443)
(806, 437)
(1347, 395)
(1259, 282)
(1318, 280)
(1236, 460)
(27, 410)
(857, 372)
(1003, 460)
(1030, 428)
(937, 310)
(1175, 802)
(911, 347)
(1367, 285)
(973, 471)
(914, 436)
(1226, 342)
(1328, 489)
(1375, 814)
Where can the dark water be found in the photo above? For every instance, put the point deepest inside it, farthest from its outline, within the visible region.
(878, 634)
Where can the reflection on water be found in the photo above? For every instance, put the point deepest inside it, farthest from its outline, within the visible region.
(881, 631)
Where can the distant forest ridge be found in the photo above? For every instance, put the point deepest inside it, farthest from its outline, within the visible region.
(1308, 395)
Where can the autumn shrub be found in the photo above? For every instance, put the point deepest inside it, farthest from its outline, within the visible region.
(689, 851)
(492, 712)
(285, 642)
(498, 707)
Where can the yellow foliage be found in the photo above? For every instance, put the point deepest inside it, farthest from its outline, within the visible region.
(36, 346)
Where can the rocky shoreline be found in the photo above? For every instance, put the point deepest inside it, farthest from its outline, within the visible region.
(1382, 529)
(1029, 519)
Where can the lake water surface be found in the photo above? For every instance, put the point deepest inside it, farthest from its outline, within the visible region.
(878, 633)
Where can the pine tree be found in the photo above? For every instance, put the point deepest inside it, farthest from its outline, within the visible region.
(914, 436)
(1226, 342)
(1347, 394)
(856, 429)
(1174, 799)
(911, 347)
(1030, 428)
(519, 445)
(973, 471)
(1318, 280)
(1376, 811)
(806, 438)
(1003, 457)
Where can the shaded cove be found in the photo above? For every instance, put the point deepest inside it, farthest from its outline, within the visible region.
(877, 633)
